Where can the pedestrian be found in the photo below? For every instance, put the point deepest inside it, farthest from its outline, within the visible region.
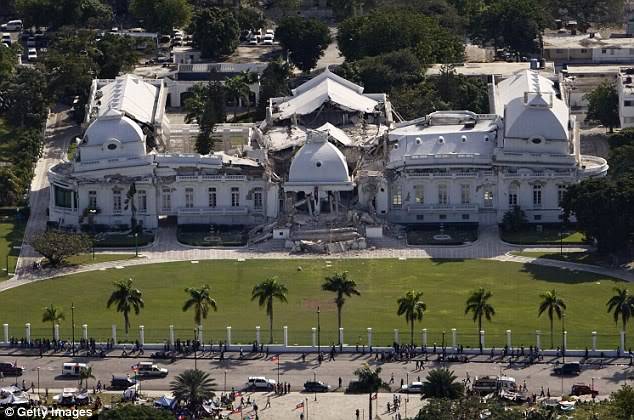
(356, 413)
(389, 407)
(268, 401)
(541, 394)
(340, 382)
(392, 379)
(1, 377)
(548, 392)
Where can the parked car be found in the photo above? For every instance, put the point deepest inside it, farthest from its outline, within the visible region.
(6, 38)
(316, 386)
(268, 39)
(73, 369)
(413, 388)
(149, 370)
(583, 389)
(30, 42)
(260, 383)
(121, 382)
(31, 54)
(10, 369)
(572, 368)
(255, 40)
(13, 26)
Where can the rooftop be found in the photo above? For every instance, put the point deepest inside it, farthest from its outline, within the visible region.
(497, 68)
(562, 41)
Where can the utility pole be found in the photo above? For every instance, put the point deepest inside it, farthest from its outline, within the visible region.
(72, 316)
(318, 335)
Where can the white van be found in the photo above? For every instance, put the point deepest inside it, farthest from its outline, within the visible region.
(73, 369)
(14, 26)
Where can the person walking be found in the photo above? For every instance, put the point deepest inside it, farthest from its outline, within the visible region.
(268, 402)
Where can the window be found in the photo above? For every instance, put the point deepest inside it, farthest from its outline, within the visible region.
(537, 195)
(465, 194)
(142, 201)
(397, 197)
(561, 190)
(442, 195)
(513, 196)
(537, 217)
(465, 217)
(488, 198)
(116, 201)
(584, 50)
(63, 197)
(166, 199)
(442, 216)
(628, 103)
(419, 192)
(189, 198)
(420, 217)
(235, 197)
(257, 198)
(92, 200)
(604, 51)
(212, 197)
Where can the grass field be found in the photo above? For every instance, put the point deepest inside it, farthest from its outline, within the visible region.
(548, 236)
(446, 285)
(11, 233)
(87, 259)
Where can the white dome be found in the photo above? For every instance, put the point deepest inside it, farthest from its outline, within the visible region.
(318, 162)
(108, 127)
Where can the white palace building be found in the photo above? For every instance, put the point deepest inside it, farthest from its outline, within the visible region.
(327, 149)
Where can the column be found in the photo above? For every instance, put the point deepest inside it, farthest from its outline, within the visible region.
(84, 331)
(285, 336)
(424, 337)
(396, 337)
(56, 332)
(341, 335)
(594, 340)
(171, 338)
(565, 341)
(27, 332)
(114, 334)
(228, 336)
(508, 339)
(314, 335)
(482, 338)
(454, 338)
(538, 341)
(623, 341)
(369, 337)
(5, 329)
(257, 335)
(141, 335)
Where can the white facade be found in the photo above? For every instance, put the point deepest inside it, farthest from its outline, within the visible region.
(625, 87)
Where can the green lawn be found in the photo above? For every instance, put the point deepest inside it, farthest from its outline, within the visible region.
(446, 285)
(576, 257)
(11, 233)
(548, 236)
(87, 259)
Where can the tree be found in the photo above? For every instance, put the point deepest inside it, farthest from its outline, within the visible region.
(85, 373)
(133, 412)
(54, 315)
(478, 303)
(58, 13)
(552, 305)
(621, 305)
(8, 62)
(117, 54)
(369, 380)
(273, 83)
(513, 24)
(215, 32)
(249, 19)
(238, 87)
(305, 40)
(265, 293)
(411, 306)
(201, 300)
(126, 298)
(621, 161)
(391, 29)
(56, 245)
(514, 219)
(441, 383)
(343, 287)
(622, 403)
(9, 186)
(603, 105)
(23, 98)
(161, 15)
(192, 388)
(205, 106)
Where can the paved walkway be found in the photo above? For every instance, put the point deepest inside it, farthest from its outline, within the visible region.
(168, 249)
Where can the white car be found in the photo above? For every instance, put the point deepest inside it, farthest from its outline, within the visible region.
(30, 42)
(6, 38)
(260, 383)
(31, 54)
(268, 39)
(255, 40)
(413, 388)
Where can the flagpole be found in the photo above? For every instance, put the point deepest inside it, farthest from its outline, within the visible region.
(278, 368)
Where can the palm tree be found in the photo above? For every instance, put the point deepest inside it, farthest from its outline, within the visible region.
(265, 292)
(554, 305)
(412, 306)
(193, 387)
(201, 301)
(441, 383)
(369, 380)
(126, 298)
(85, 373)
(340, 284)
(54, 315)
(479, 305)
(621, 305)
(238, 87)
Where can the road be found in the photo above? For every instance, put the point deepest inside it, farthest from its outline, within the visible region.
(295, 372)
